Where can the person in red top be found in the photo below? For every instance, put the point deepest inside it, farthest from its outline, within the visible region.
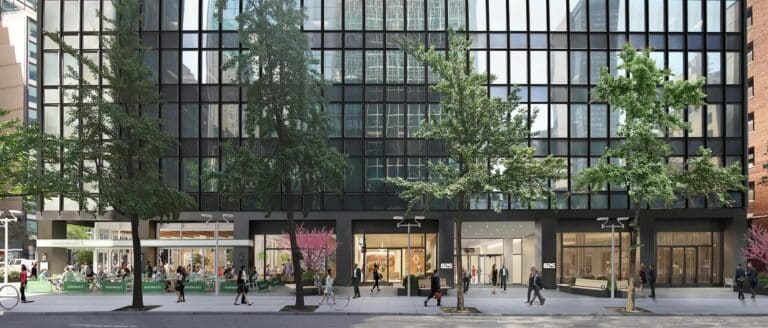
(23, 283)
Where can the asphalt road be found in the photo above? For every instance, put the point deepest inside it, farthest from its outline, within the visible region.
(238, 320)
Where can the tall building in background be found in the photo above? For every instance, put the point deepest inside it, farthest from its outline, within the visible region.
(19, 96)
(551, 50)
(757, 117)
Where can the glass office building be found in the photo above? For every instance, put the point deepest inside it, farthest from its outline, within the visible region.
(550, 50)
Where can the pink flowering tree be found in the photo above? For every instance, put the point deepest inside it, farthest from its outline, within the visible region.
(317, 247)
(756, 247)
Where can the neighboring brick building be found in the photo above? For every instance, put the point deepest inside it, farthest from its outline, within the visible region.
(757, 89)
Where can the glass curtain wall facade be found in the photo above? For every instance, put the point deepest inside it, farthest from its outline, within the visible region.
(552, 51)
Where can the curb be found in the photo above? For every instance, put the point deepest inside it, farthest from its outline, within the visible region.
(262, 313)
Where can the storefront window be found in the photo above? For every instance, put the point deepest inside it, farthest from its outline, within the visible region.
(688, 258)
(389, 252)
(588, 255)
(273, 252)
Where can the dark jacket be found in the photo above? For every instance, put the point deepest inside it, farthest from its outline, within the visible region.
(643, 278)
(752, 276)
(652, 276)
(356, 275)
(504, 273)
(740, 276)
(535, 281)
(435, 283)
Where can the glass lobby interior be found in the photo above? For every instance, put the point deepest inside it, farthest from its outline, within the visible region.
(390, 252)
(510, 244)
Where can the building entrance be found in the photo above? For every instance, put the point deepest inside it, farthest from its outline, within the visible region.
(481, 267)
(686, 259)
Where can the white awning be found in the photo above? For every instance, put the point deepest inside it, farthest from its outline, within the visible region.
(166, 243)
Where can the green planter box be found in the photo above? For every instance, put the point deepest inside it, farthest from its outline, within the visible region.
(194, 287)
(113, 287)
(275, 281)
(75, 286)
(262, 285)
(42, 286)
(228, 287)
(153, 287)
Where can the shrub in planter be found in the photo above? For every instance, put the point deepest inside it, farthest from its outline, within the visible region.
(14, 276)
(762, 280)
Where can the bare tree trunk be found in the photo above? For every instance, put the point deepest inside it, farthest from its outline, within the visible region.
(295, 251)
(634, 243)
(138, 297)
(460, 289)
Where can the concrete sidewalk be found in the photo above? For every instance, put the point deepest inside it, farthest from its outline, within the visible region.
(677, 301)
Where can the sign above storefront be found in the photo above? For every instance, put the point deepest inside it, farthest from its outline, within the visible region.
(446, 265)
(550, 265)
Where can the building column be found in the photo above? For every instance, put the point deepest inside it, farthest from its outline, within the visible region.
(242, 256)
(546, 241)
(648, 240)
(345, 251)
(147, 230)
(55, 256)
(733, 242)
(445, 237)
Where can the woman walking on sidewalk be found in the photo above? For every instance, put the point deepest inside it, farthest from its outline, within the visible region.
(242, 289)
(376, 277)
(328, 288)
(23, 283)
(181, 277)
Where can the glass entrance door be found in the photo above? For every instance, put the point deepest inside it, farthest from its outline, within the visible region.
(389, 262)
(684, 266)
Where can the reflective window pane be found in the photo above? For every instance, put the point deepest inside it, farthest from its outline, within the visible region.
(374, 14)
(415, 11)
(518, 15)
(353, 15)
(395, 21)
(558, 13)
(675, 15)
(477, 16)
(637, 17)
(578, 15)
(656, 15)
(713, 16)
(617, 15)
(435, 15)
(695, 19)
(332, 13)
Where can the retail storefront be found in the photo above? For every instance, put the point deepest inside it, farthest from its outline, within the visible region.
(689, 258)
(389, 252)
(588, 255)
(505, 243)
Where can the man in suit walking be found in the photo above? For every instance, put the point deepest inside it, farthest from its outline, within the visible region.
(535, 281)
(751, 278)
(741, 277)
(652, 279)
(356, 275)
(503, 275)
(434, 290)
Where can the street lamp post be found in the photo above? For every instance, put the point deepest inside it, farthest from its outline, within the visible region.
(208, 220)
(5, 222)
(608, 224)
(402, 222)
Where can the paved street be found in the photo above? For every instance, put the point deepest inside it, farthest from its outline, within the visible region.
(678, 301)
(176, 320)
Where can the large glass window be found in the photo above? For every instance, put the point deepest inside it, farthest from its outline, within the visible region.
(559, 121)
(538, 15)
(579, 67)
(714, 121)
(456, 12)
(713, 16)
(519, 72)
(415, 11)
(209, 125)
(597, 19)
(374, 15)
(169, 65)
(518, 15)
(52, 16)
(230, 122)
(597, 121)
(353, 15)
(170, 17)
(588, 255)
(374, 66)
(732, 68)
(51, 69)
(333, 116)
(579, 121)
(733, 120)
(637, 16)
(190, 18)
(71, 15)
(353, 66)
(395, 21)
(656, 15)
(695, 19)
(189, 121)
(558, 15)
(374, 174)
(497, 18)
(395, 120)
(436, 15)
(312, 14)
(477, 16)
(558, 67)
(539, 71)
(675, 15)
(332, 65)
(353, 120)
(616, 15)
(332, 14)
(732, 16)
(499, 67)
(395, 67)
(714, 73)
(374, 120)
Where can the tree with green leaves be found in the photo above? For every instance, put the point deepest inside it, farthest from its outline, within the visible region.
(114, 154)
(652, 104)
(485, 140)
(287, 150)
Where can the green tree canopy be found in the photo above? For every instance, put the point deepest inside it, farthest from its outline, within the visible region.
(652, 103)
(113, 156)
(287, 150)
(485, 140)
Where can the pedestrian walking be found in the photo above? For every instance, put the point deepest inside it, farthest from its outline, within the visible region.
(531, 278)
(494, 277)
(652, 280)
(503, 277)
(434, 290)
(376, 278)
(23, 285)
(181, 277)
(33, 271)
(328, 288)
(643, 279)
(474, 274)
(356, 275)
(465, 279)
(751, 278)
(535, 280)
(242, 288)
(148, 270)
(741, 277)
